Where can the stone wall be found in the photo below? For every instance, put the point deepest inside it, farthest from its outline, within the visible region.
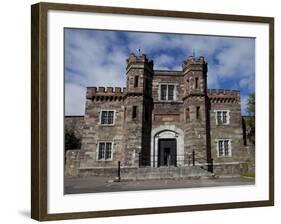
(72, 162)
(74, 124)
(229, 101)
(134, 138)
(94, 131)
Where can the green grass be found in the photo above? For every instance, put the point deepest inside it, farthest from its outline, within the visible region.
(248, 175)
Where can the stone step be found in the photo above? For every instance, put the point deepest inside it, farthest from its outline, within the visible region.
(183, 172)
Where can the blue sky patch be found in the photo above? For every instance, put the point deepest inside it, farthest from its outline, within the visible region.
(98, 58)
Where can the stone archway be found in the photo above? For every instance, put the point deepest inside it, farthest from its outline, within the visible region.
(167, 132)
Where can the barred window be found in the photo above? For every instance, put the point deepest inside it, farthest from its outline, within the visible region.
(171, 92)
(163, 92)
(101, 154)
(107, 117)
(222, 117)
(108, 150)
(105, 151)
(167, 92)
(226, 152)
(224, 148)
(220, 148)
(219, 120)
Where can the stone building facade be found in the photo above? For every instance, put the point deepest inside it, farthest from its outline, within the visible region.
(162, 119)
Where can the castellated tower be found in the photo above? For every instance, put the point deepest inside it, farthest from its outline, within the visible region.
(196, 107)
(138, 105)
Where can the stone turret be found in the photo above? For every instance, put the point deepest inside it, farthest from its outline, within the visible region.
(196, 106)
(195, 76)
(138, 108)
(139, 74)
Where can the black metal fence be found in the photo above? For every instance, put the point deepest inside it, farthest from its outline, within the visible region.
(189, 159)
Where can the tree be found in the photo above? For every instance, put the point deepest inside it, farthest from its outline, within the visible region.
(251, 104)
(71, 141)
(251, 119)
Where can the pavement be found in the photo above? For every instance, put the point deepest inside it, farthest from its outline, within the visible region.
(76, 185)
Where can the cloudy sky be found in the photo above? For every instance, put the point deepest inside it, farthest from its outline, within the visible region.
(97, 58)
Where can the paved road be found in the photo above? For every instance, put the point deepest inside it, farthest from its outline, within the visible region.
(76, 185)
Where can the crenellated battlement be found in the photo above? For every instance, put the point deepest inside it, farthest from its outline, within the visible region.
(191, 60)
(223, 95)
(143, 59)
(105, 93)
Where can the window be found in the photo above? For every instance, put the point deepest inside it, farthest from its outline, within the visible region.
(222, 117)
(125, 113)
(136, 81)
(167, 92)
(134, 114)
(105, 151)
(163, 92)
(196, 83)
(170, 92)
(187, 114)
(223, 147)
(107, 117)
(198, 115)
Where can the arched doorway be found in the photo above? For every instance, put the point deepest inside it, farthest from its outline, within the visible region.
(167, 146)
(167, 152)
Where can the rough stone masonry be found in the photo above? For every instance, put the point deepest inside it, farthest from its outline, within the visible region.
(162, 118)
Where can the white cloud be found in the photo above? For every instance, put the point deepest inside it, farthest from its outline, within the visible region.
(244, 102)
(244, 83)
(75, 99)
(212, 79)
(236, 60)
(99, 59)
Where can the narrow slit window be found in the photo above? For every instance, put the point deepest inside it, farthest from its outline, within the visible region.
(187, 115)
(136, 81)
(198, 116)
(196, 83)
(134, 114)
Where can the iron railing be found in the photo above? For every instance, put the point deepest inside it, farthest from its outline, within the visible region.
(189, 159)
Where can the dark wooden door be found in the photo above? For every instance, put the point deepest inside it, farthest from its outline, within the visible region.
(167, 152)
